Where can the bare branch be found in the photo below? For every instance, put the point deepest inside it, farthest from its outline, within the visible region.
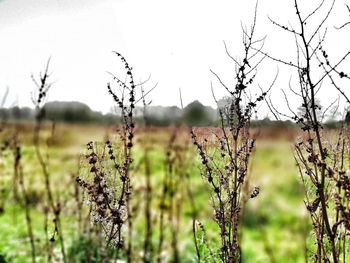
(223, 84)
(314, 11)
(278, 60)
(229, 55)
(345, 24)
(282, 26)
(322, 22)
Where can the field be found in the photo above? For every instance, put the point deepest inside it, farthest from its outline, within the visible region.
(276, 227)
(115, 169)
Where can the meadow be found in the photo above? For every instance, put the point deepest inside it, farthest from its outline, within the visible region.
(207, 184)
(276, 227)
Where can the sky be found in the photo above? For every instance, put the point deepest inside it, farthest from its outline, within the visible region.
(176, 42)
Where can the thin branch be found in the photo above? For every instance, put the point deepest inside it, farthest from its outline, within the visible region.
(345, 24)
(221, 82)
(230, 56)
(145, 94)
(314, 11)
(322, 22)
(278, 60)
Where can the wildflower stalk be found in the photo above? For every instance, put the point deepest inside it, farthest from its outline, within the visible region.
(39, 97)
(225, 165)
(107, 182)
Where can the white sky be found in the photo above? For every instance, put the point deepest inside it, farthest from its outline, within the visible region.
(177, 42)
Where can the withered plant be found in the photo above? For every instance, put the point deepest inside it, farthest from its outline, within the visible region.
(226, 154)
(25, 200)
(321, 157)
(53, 207)
(19, 186)
(106, 179)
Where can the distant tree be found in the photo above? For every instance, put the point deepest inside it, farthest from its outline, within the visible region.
(163, 116)
(70, 112)
(4, 114)
(196, 114)
(347, 118)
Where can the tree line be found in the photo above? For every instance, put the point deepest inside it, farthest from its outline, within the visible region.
(194, 114)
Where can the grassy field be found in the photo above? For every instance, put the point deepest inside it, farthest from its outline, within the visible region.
(275, 225)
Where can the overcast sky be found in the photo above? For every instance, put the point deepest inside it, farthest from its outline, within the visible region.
(177, 42)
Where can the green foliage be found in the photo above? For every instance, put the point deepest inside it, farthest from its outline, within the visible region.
(3, 258)
(86, 249)
(278, 209)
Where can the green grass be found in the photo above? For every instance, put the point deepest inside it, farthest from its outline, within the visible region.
(275, 220)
